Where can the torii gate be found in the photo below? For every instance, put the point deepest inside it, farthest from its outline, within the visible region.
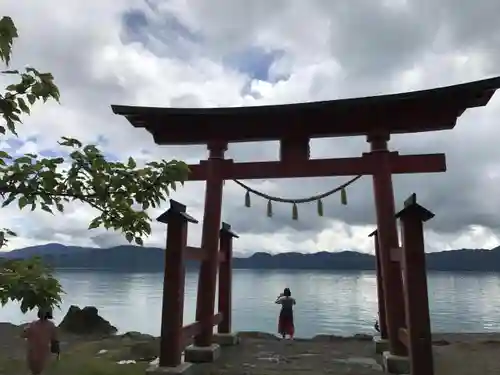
(293, 125)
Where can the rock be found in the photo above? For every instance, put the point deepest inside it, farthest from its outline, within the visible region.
(137, 336)
(257, 335)
(490, 342)
(86, 321)
(357, 337)
(440, 342)
(326, 338)
(363, 337)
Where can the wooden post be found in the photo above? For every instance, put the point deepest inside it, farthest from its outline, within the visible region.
(173, 284)
(225, 278)
(210, 244)
(416, 297)
(380, 288)
(388, 239)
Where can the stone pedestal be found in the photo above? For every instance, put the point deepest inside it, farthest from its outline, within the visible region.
(202, 354)
(183, 369)
(395, 364)
(381, 345)
(226, 339)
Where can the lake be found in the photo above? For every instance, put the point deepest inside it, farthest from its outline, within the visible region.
(341, 303)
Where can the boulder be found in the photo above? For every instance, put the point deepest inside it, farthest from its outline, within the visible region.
(257, 335)
(137, 336)
(363, 337)
(86, 321)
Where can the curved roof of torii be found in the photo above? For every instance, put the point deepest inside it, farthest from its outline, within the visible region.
(410, 112)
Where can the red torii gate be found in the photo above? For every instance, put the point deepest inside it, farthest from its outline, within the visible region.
(293, 125)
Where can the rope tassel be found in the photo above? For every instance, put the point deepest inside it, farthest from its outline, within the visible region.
(343, 197)
(269, 209)
(320, 207)
(247, 199)
(295, 212)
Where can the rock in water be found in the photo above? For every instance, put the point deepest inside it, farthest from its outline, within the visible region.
(86, 321)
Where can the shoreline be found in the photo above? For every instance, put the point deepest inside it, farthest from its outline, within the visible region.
(452, 337)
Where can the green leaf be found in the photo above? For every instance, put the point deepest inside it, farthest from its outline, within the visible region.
(95, 223)
(8, 32)
(46, 208)
(23, 201)
(31, 98)
(23, 159)
(131, 163)
(23, 106)
(9, 200)
(129, 237)
(139, 241)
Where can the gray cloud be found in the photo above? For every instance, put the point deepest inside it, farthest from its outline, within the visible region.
(330, 50)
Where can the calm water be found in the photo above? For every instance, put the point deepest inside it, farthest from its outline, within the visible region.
(327, 302)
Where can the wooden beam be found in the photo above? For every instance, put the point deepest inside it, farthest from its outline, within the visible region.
(191, 330)
(397, 254)
(197, 253)
(364, 165)
(403, 336)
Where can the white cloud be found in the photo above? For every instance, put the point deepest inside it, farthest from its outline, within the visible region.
(330, 51)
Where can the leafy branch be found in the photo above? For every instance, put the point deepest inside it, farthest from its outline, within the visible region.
(121, 192)
(29, 282)
(113, 188)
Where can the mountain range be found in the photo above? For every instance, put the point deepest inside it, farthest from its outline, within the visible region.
(149, 259)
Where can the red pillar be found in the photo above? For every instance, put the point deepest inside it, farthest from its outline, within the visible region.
(387, 239)
(210, 243)
(171, 344)
(225, 278)
(416, 296)
(382, 318)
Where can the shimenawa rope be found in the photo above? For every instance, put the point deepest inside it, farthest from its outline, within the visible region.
(318, 198)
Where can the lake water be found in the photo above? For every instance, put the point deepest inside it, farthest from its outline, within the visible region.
(341, 303)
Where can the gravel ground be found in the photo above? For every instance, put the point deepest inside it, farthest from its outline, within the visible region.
(264, 354)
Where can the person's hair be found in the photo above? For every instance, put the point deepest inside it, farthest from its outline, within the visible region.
(45, 314)
(287, 292)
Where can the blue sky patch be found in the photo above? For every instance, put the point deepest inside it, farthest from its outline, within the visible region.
(176, 39)
(254, 61)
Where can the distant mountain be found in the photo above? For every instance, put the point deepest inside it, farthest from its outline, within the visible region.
(42, 250)
(150, 259)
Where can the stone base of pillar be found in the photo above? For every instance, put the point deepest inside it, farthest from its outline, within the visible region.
(183, 369)
(202, 354)
(226, 339)
(395, 364)
(381, 345)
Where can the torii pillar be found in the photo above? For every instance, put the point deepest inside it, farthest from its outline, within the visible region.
(387, 239)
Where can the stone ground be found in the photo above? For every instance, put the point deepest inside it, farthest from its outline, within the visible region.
(257, 354)
(261, 354)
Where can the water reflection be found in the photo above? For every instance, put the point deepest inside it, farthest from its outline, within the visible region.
(327, 302)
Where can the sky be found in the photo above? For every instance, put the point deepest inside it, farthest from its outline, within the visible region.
(200, 53)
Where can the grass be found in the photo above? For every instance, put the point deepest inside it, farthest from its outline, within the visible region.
(82, 359)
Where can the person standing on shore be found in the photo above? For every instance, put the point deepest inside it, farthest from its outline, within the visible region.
(42, 340)
(285, 323)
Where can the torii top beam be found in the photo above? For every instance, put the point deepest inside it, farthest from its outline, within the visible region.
(418, 111)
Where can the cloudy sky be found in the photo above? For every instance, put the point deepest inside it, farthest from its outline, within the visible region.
(200, 53)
